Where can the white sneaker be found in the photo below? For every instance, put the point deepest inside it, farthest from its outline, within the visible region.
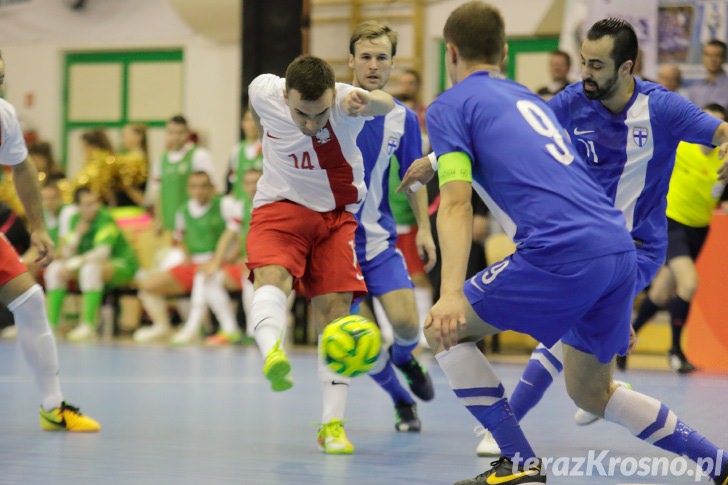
(185, 337)
(150, 334)
(9, 332)
(81, 333)
(584, 418)
(487, 445)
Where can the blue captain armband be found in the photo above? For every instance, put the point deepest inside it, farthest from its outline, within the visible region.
(454, 166)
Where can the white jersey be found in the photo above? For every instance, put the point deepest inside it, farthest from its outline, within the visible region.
(12, 144)
(322, 172)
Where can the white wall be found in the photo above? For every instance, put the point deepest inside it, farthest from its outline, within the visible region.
(330, 39)
(34, 39)
(522, 18)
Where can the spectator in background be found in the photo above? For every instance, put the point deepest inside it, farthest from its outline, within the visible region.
(669, 77)
(98, 166)
(559, 65)
(169, 175)
(694, 193)
(93, 252)
(408, 93)
(132, 167)
(714, 88)
(200, 223)
(246, 155)
(42, 155)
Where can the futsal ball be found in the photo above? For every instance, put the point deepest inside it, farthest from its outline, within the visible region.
(350, 345)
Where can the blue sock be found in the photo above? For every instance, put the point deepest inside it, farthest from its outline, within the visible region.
(402, 350)
(387, 380)
(499, 420)
(688, 442)
(475, 383)
(653, 422)
(542, 369)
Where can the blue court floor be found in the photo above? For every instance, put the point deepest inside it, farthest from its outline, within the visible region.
(206, 416)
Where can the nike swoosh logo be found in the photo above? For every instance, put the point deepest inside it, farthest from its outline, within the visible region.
(359, 277)
(577, 132)
(267, 133)
(61, 423)
(337, 383)
(493, 480)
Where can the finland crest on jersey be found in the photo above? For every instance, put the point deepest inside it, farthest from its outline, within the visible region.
(639, 135)
(378, 141)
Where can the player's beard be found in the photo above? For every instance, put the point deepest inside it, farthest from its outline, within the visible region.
(604, 91)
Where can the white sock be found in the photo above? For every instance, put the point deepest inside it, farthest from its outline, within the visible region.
(385, 327)
(467, 368)
(38, 344)
(334, 388)
(184, 307)
(90, 277)
(423, 300)
(52, 276)
(198, 306)
(247, 298)
(219, 302)
(636, 412)
(156, 307)
(268, 317)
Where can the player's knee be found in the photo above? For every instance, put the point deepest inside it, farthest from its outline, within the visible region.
(589, 398)
(55, 276)
(686, 289)
(433, 340)
(405, 326)
(273, 275)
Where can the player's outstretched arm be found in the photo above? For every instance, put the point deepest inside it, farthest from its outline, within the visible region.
(367, 103)
(720, 139)
(418, 174)
(25, 178)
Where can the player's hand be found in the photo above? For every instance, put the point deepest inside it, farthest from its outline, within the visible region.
(419, 173)
(723, 170)
(356, 102)
(426, 249)
(209, 268)
(82, 227)
(632, 340)
(43, 244)
(447, 318)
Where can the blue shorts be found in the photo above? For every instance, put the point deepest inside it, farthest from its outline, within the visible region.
(647, 267)
(386, 272)
(587, 304)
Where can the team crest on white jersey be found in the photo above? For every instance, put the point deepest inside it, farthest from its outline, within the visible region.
(392, 144)
(323, 136)
(639, 135)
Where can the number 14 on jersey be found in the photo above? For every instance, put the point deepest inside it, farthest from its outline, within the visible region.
(304, 162)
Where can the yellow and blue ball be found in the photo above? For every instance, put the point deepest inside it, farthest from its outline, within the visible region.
(350, 345)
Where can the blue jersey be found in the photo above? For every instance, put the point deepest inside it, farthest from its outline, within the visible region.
(397, 134)
(631, 154)
(531, 179)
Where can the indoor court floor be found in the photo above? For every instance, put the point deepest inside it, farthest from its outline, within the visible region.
(206, 416)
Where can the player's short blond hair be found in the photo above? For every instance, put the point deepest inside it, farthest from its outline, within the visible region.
(371, 29)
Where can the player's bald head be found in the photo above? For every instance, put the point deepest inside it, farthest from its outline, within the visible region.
(478, 31)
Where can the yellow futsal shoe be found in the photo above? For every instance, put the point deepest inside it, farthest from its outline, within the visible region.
(332, 438)
(67, 418)
(277, 369)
